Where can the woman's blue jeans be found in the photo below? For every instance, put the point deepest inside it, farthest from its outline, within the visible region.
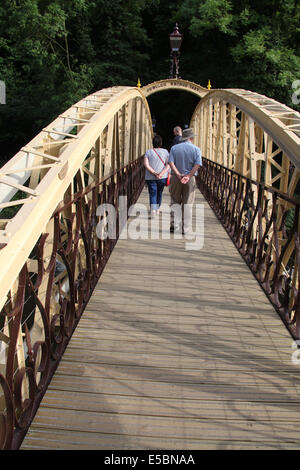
(155, 188)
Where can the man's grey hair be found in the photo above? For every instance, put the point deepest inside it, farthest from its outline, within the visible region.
(177, 130)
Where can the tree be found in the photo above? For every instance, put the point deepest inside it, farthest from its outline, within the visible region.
(255, 44)
(54, 52)
(36, 67)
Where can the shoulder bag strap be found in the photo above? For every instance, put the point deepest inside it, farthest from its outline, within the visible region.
(160, 157)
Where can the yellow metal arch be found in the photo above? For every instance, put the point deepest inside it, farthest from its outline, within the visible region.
(113, 124)
(174, 84)
(241, 130)
(94, 139)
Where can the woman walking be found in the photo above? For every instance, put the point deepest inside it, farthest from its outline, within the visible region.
(157, 169)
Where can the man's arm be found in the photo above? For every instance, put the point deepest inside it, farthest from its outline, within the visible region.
(173, 168)
(197, 164)
(185, 179)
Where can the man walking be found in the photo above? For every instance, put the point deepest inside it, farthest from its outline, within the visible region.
(185, 160)
(177, 131)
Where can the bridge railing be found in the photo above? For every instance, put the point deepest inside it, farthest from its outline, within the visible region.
(52, 251)
(251, 178)
(264, 225)
(51, 297)
(252, 134)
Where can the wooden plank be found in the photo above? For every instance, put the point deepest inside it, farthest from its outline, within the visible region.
(175, 390)
(184, 429)
(168, 360)
(142, 405)
(187, 356)
(58, 440)
(261, 380)
(167, 348)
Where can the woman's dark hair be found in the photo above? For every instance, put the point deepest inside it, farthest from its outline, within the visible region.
(157, 141)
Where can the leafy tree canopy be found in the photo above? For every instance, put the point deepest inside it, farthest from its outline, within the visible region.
(54, 52)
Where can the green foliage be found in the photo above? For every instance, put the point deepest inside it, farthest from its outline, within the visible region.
(53, 52)
(213, 14)
(256, 43)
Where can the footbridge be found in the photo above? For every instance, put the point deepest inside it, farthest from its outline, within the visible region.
(121, 343)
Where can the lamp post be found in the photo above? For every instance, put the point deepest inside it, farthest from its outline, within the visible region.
(175, 42)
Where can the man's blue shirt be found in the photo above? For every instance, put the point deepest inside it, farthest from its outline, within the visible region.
(185, 156)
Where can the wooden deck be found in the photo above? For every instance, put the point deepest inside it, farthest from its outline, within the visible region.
(177, 350)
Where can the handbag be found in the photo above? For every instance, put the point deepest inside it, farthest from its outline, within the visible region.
(168, 177)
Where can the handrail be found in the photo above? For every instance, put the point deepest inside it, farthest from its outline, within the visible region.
(273, 117)
(264, 226)
(24, 229)
(51, 257)
(55, 296)
(50, 253)
(252, 134)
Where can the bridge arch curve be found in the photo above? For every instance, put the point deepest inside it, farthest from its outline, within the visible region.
(97, 136)
(51, 253)
(90, 155)
(174, 84)
(245, 131)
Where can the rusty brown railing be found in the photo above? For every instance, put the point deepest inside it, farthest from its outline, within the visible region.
(263, 223)
(77, 259)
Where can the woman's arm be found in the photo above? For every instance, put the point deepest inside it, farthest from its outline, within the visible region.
(148, 167)
(164, 170)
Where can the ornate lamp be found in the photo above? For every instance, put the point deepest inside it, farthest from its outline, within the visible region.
(175, 42)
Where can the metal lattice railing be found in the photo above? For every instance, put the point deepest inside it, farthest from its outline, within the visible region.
(264, 226)
(51, 255)
(54, 307)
